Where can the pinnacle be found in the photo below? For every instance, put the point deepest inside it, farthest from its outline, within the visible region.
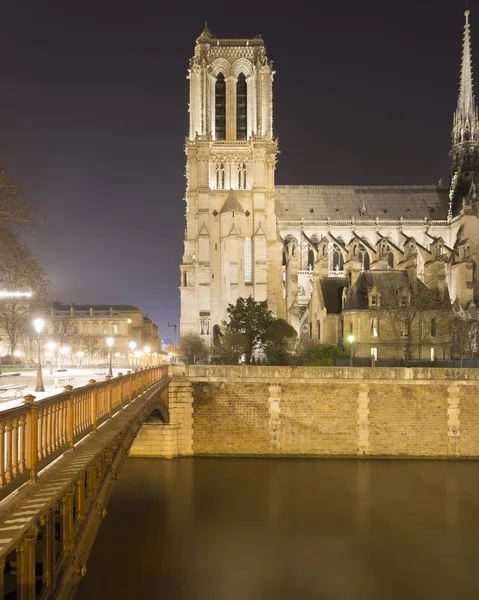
(206, 32)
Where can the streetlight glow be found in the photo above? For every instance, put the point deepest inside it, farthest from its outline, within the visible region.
(351, 338)
(38, 325)
(110, 342)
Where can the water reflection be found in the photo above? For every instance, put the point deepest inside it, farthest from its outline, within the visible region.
(288, 528)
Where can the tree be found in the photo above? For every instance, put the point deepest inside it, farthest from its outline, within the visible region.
(229, 349)
(312, 353)
(193, 348)
(13, 206)
(250, 319)
(279, 340)
(465, 327)
(20, 271)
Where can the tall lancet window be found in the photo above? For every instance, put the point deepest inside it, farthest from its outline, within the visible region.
(242, 176)
(220, 107)
(220, 176)
(241, 102)
(247, 261)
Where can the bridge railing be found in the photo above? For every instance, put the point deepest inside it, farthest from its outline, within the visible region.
(35, 434)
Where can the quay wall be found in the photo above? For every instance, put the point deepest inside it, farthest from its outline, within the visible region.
(319, 411)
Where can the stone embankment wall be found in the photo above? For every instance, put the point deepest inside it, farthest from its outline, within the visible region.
(319, 411)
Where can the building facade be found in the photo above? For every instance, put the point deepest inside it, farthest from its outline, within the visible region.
(82, 331)
(297, 245)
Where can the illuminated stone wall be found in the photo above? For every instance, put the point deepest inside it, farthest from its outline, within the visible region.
(326, 411)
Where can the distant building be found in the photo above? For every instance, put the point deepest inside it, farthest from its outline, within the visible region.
(304, 248)
(85, 328)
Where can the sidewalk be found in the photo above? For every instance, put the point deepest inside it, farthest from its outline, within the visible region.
(80, 377)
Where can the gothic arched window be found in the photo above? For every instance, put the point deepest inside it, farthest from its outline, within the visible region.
(310, 258)
(390, 257)
(241, 104)
(247, 260)
(338, 260)
(220, 107)
(363, 257)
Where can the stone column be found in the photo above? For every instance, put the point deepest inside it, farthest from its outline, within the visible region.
(453, 420)
(274, 405)
(363, 420)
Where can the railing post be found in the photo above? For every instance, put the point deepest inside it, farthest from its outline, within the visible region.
(70, 416)
(129, 385)
(120, 376)
(80, 496)
(67, 516)
(93, 403)
(109, 396)
(49, 550)
(32, 436)
(26, 565)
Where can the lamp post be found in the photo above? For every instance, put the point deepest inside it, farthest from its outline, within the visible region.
(174, 327)
(132, 346)
(109, 342)
(39, 324)
(147, 351)
(350, 340)
(80, 355)
(51, 348)
(64, 350)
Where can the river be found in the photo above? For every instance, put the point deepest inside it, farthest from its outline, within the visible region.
(261, 529)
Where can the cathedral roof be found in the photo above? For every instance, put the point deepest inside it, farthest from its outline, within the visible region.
(332, 290)
(364, 203)
(389, 283)
(231, 204)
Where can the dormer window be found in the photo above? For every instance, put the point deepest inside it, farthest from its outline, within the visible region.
(374, 297)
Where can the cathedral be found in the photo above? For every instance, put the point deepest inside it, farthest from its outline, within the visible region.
(331, 260)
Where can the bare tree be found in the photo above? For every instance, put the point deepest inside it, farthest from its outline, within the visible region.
(14, 208)
(465, 331)
(413, 318)
(20, 272)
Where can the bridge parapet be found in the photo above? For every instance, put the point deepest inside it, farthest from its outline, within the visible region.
(47, 528)
(33, 435)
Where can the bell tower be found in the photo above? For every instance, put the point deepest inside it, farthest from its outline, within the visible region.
(231, 245)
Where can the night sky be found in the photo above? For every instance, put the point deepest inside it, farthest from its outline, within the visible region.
(94, 115)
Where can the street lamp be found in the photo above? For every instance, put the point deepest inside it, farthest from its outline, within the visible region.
(174, 327)
(350, 340)
(147, 351)
(109, 342)
(80, 355)
(39, 324)
(132, 345)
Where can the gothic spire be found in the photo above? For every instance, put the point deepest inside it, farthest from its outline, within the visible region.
(466, 128)
(465, 131)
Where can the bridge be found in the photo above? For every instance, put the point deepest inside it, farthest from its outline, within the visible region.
(59, 458)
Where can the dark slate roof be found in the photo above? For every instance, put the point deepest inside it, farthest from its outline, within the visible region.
(318, 202)
(231, 204)
(332, 290)
(96, 307)
(388, 282)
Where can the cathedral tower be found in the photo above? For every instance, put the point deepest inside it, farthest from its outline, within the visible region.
(231, 243)
(465, 132)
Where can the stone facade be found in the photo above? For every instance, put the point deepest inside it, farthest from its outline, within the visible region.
(245, 235)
